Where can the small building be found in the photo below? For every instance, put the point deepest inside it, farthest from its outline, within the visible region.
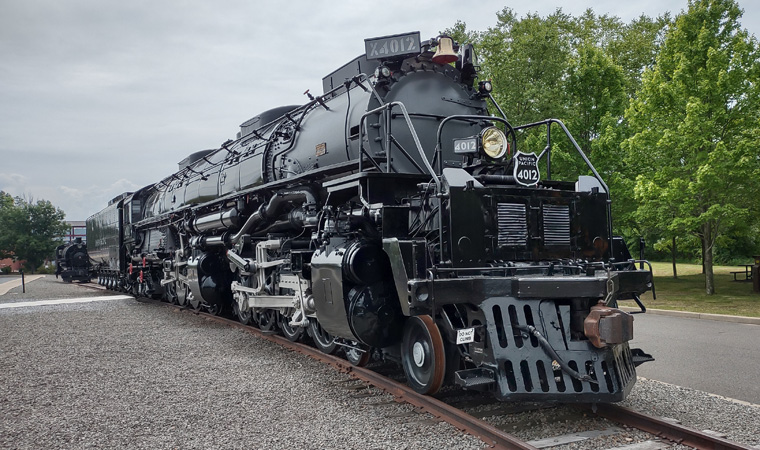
(14, 265)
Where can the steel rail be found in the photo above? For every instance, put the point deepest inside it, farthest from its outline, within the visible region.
(664, 429)
(489, 434)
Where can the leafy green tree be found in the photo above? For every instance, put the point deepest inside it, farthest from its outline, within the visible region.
(527, 59)
(659, 218)
(29, 230)
(578, 69)
(695, 126)
(596, 87)
(9, 215)
(462, 35)
(633, 49)
(636, 46)
(6, 200)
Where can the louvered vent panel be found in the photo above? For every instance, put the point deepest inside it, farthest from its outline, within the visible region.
(513, 225)
(556, 225)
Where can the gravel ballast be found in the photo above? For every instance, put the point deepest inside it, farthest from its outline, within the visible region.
(127, 374)
(122, 373)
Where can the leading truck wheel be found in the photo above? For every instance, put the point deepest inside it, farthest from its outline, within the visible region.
(358, 354)
(422, 355)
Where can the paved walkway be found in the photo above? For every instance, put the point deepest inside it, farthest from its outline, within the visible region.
(696, 315)
(64, 301)
(710, 355)
(8, 285)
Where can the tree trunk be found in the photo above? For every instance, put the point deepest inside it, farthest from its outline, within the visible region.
(704, 240)
(673, 253)
(707, 245)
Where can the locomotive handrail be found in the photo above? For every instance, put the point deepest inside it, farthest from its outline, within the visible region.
(547, 150)
(389, 140)
(493, 100)
(548, 123)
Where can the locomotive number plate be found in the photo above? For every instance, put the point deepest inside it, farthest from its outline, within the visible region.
(389, 46)
(465, 336)
(468, 145)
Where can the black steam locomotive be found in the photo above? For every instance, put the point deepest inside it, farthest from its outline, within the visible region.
(72, 263)
(393, 216)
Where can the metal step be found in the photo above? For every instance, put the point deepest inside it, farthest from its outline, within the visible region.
(475, 378)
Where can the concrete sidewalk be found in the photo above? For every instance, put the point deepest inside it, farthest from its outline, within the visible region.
(694, 315)
(8, 285)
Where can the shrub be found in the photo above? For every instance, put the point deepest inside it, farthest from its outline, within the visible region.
(42, 270)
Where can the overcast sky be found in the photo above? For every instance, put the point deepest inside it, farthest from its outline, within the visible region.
(102, 97)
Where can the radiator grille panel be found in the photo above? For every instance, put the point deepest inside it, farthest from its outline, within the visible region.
(556, 225)
(513, 225)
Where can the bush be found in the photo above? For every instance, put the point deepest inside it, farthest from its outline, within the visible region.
(6, 270)
(42, 270)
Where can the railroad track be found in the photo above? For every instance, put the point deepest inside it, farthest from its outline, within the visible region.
(467, 414)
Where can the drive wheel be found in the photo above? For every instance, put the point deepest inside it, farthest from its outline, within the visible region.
(217, 309)
(323, 340)
(358, 354)
(182, 293)
(170, 293)
(243, 317)
(422, 355)
(291, 333)
(194, 303)
(267, 320)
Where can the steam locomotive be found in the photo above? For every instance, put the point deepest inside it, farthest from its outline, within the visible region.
(393, 217)
(72, 262)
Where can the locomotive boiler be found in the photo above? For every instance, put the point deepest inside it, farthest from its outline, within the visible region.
(394, 217)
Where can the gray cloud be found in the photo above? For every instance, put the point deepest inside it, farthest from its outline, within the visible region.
(101, 97)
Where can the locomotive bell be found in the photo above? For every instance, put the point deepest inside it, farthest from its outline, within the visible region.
(445, 54)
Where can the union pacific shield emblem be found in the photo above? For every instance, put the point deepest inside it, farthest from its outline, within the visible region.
(526, 168)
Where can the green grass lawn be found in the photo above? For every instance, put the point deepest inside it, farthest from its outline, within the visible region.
(687, 293)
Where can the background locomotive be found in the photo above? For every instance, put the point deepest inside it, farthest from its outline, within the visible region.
(72, 262)
(393, 216)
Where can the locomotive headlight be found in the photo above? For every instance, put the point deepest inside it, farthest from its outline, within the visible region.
(494, 143)
(382, 72)
(485, 87)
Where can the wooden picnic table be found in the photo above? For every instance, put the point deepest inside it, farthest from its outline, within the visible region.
(747, 272)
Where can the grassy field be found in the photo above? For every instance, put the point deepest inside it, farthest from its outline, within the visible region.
(687, 293)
